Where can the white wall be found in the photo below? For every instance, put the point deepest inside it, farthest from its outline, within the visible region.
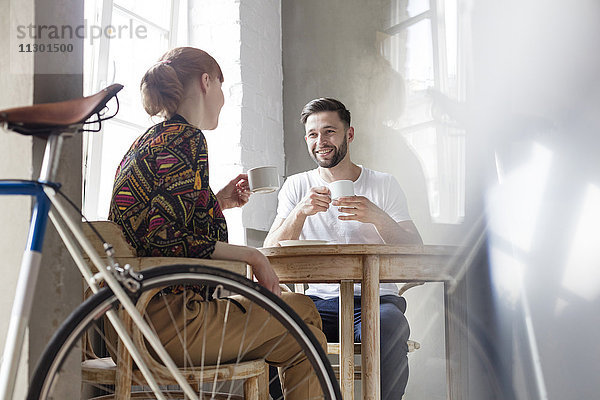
(262, 105)
(245, 39)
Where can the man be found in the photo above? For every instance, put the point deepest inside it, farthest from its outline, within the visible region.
(378, 213)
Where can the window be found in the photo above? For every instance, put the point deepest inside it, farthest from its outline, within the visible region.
(142, 32)
(421, 43)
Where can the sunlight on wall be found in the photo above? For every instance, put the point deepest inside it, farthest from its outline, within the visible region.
(518, 199)
(513, 207)
(507, 274)
(581, 276)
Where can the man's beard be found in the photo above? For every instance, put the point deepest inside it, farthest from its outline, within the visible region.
(337, 156)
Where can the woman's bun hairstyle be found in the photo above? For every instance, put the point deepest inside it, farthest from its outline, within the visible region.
(162, 86)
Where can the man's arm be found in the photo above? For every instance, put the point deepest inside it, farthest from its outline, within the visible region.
(285, 229)
(403, 232)
(289, 228)
(359, 208)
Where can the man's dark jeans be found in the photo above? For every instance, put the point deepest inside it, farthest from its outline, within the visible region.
(394, 334)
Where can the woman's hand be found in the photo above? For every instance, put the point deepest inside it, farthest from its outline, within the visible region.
(264, 273)
(235, 194)
(261, 267)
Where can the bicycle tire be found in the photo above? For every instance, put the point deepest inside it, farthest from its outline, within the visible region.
(91, 312)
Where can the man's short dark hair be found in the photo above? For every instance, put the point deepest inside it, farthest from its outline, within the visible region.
(325, 104)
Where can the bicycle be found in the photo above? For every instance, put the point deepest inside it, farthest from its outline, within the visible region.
(117, 288)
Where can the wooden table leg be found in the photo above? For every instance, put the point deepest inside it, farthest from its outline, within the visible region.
(457, 367)
(370, 352)
(347, 339)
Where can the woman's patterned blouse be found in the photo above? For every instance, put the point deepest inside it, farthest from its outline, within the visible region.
(161, 196)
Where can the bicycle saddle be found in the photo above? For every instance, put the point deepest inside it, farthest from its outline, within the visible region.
(48, 118)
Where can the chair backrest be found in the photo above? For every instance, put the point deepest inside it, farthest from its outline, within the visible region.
(111, 232)
(126, 254)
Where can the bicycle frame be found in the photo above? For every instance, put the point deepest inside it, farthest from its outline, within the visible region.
(44, 192)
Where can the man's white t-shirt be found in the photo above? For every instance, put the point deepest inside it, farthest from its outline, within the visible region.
(379, 187)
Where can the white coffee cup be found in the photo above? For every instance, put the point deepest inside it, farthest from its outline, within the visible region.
(263, 179)
(341, 188)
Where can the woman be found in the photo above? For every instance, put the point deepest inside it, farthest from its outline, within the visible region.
(165, 206)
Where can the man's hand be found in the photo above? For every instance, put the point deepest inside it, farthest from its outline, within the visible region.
(316, 200)
(359, 208)
(235, 194)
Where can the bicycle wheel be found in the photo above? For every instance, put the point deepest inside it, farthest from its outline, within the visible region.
(206, 318)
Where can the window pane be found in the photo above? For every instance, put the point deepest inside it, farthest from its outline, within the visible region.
(439, 148)
(156, 11)
(424, 143)
(129, 58)
(419, 55)
(403, 9)
(416, 7)
(410, 53)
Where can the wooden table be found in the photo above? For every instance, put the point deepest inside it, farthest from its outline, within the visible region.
(370, 265)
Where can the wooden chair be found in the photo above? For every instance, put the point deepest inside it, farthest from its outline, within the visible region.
(104, 371)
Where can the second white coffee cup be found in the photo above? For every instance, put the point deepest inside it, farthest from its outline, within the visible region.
(341, 188)
(263, 179)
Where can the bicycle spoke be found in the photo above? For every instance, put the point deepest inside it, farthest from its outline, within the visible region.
(182, 339)
(241, 346)
(204, 333)
(221, 345)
